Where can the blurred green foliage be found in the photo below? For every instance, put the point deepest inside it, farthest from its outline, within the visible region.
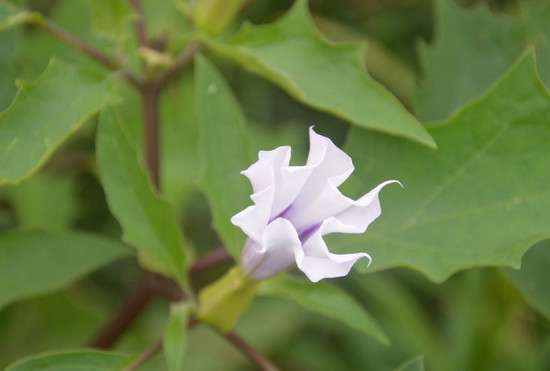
(444, 61)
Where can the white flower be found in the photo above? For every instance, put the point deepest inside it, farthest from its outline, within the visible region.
(295, 206)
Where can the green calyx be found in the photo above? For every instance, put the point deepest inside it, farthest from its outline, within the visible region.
(223, 301)
(213, 16)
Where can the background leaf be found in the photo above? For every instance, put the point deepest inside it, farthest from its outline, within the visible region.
(44, 113)
(54, 212)
(482, 199)
(292, 54)
(475, 44)
(325, 299)
(478, 44)
(148, 222)
(73, 360)
(416, 364)
(533, 279)
(34, 263)
(175, 335)
(110, 19)
(181, 160)
(224, 149)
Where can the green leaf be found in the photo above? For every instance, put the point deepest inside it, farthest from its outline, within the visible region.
(45, 113)
(293, 55)
(477, 45)
(325, 299)
(538, 34)
(110, 19)
(7, 47)
(224, 150)
(35, 47)
(180, 157)
(175, 335)
(73, 360)
(34, 263)
(481, 200)
(54, 212)
(533, 279)
(148, 222)
(415, 364)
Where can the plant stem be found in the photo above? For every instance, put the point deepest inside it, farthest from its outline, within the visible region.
(252, 354)
(181, 61)
(151, 285)
(209, 260)
(124, 316)
(68, 38)
(141, 34)
(150, 95)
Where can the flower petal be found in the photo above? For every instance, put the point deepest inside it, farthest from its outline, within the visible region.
(330, 162)
(329, 202)
(292, 182)
(358, 216)
(276, 252)
(317, 262)
(295, 206)
(265, 172)
(255, 218)
(330, 166)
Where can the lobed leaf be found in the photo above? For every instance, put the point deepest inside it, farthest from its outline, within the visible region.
(45, 113)
(293, 55)
(477, 45)
(325, 299)
(224, 150)
(481, 200)
(148, 222)
(73, 360)
(34, 263)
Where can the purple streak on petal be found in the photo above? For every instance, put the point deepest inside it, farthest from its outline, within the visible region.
(306, 233)
(285, 214)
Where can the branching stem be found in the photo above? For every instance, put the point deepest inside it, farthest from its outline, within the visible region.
(70, 39)
(123, 317)
(182, 60)
(141, 33)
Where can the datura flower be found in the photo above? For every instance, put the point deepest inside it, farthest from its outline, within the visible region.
(295, 206)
